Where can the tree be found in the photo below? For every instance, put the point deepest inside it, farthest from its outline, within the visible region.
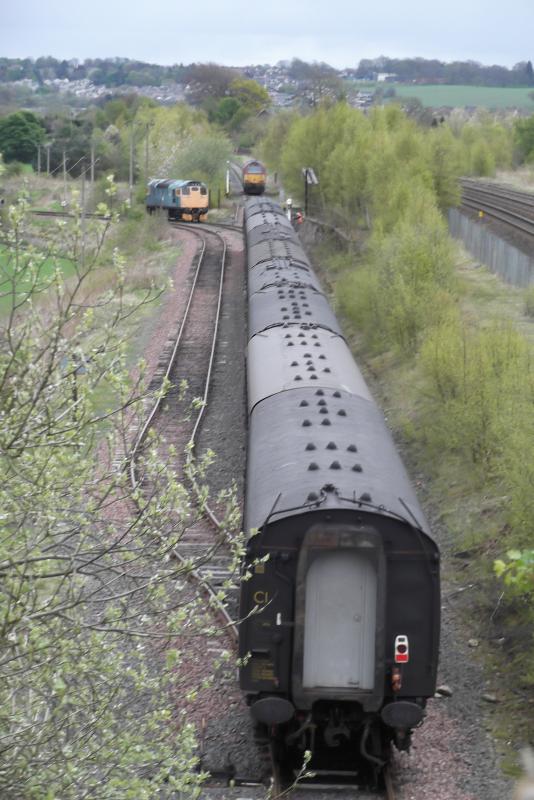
(243, 100)
(207, 81)
(204, 158)
(318, 80)
(226, 110)
(87, 579)
(524, 136)
(249, 94)
(20, 134)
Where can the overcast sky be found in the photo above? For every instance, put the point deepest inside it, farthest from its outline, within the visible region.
(238, 32)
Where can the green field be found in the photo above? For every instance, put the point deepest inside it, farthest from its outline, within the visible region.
(46, 271)
(491, 97)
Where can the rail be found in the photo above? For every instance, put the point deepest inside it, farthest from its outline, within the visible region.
(68, 215)
(135, 451)
(500, 204)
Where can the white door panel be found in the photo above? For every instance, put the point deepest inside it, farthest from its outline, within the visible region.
(340, 622)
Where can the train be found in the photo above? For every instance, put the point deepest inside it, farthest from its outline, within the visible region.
(182, 199)
(340, 608)
(254, 177)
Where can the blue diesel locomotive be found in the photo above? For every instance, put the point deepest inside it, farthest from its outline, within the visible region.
(182, 200)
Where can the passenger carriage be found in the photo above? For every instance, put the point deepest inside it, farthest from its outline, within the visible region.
(340, 629)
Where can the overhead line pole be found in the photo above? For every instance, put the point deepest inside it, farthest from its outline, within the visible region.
(130, 181)
(83, 214)
(64, 177)
(148, 126)
(92, 163)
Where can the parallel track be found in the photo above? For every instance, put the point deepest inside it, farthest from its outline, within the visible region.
(192, 360)
(191, 355)
(68, 215)
(514, 209)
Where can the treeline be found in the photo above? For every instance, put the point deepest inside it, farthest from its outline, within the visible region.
(115, 72)
(469, 73)
(101, 71)
(366, 174)
(469, 378)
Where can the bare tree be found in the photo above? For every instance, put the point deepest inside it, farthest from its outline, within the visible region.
(208, 81)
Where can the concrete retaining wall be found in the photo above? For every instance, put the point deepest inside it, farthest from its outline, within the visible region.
(512, 265)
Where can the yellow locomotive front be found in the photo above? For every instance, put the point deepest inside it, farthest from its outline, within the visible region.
(254, 177)
(194, 201)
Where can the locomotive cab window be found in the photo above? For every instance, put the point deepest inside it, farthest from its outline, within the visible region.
(185, 190)
(203, 190)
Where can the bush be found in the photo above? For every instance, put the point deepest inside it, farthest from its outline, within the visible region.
(479, 381)
(14, 169)
(529, 302)
(406, 286)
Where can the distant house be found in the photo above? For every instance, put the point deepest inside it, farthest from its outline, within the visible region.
(383, 77)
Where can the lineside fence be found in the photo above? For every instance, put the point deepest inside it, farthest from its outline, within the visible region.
(511, 264)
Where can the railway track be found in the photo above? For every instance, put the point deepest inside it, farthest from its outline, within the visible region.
(317, 784)
(189, 355)
(203, 549)
(325, 791)
(321, 788)
(513, 208)
(68, 215)
(106, 217)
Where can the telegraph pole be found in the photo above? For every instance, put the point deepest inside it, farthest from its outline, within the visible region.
(64, 177)
(83, 213)
(131, 163)
(147, 150)
(38, 159)
(92, 163)
(48, 145)
(82, 199)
